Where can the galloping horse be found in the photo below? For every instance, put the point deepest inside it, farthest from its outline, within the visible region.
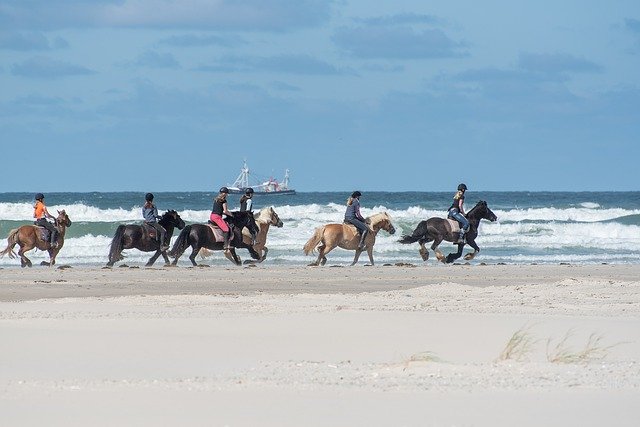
(346, 236)
(266, 218)
(29, 237)
(439, 229)
(201, 236)
(143, 238)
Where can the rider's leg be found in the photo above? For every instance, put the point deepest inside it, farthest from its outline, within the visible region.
(217, 219)
(464, 226)
(363, 230)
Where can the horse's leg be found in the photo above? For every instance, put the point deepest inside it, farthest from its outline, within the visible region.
(193, 255)
(236, 257)
(356, 256)
(24, 261)
(153, 258)
(476, 249)
(231, 256)
(438, 252)
(424, 252)
(265, 251)
(166, 258)
(454, 256)
(370, 253)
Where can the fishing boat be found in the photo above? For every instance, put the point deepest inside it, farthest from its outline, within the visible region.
(270, 186)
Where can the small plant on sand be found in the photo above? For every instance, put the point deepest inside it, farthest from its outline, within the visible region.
(519, 345)
(423, 356)
(593, 350)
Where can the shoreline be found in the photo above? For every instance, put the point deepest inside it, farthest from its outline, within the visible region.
(77, 282)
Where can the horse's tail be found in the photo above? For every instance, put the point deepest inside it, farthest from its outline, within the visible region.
(419, 233)
(182, 242)
(115, 249)
(12, 240)
(406, 239)
(311, 244)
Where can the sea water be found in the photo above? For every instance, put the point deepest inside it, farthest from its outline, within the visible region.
(532, 227)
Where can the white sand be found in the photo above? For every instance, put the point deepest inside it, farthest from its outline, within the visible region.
(318, 346)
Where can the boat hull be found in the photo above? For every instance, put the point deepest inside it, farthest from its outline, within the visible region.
(272, 193)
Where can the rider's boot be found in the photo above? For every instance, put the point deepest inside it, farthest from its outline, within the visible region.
(225, 245)
(53, 240)
(363, 236)
(164, 245)
(460, 238)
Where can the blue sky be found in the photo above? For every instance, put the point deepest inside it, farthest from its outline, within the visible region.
(161, 95)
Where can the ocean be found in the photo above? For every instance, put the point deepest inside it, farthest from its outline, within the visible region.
(532, 227)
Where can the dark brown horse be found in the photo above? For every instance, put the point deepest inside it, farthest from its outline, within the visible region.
(439, 229)
(30, 236)
(198, 236)
(346, 236)
(143, 238)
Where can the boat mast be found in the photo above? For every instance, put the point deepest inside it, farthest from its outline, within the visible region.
(242, 181)
(285, 182)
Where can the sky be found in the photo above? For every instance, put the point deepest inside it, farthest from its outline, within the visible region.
(403, 95)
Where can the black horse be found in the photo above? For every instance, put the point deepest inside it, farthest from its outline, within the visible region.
(439, 229)
(201, 236)
(143, 238)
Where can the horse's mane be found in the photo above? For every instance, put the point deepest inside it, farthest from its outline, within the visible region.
(480, 203)
(264, 215)
(379, 217)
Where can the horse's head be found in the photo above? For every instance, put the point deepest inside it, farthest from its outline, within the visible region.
(382, 221)
(482, 211)
(274, 218)
(171, 217)
(63, 219)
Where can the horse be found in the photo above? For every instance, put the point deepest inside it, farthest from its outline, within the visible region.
(265, 219)
(144, 238)
(30, 236)
(346, 236)
(439, 229)
(201, 236)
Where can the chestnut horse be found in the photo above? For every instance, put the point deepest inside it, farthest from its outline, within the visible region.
(438, 229)
(346, 236)
(29, 237)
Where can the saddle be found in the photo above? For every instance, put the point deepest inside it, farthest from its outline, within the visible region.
(151, 231)
(454, 226)
(218, 233)
(43, 233)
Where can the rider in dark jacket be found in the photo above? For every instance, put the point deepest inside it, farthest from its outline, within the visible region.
(352, 216)
(151, 217)
(456, 211)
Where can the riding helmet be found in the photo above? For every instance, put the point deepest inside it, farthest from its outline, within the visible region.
(148, 197)
(224, 190)
(462, 187)
(39, 196)
(248, 191)
(356, 194)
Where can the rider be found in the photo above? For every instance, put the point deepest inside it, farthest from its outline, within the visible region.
(246, 204)
(352, 216)
(151, 217)
(220, 208)
(456, 211)
(40, 213)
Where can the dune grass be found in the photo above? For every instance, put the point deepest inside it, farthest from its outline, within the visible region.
(560, 351)
(519, 345)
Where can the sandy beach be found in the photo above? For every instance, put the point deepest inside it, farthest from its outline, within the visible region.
(473, 345)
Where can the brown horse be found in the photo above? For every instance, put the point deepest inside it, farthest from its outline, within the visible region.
(264, 220)
(346, 236)
(29, 237)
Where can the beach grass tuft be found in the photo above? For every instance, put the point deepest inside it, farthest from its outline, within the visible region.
(519, 345)
(561, 352)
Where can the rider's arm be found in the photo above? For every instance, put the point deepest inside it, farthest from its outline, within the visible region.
(225, 210)
(461, 206)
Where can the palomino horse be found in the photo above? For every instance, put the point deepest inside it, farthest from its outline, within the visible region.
(201, 236)
(29, 237)
(439, 229)
(144, 238)
(266, 218)
(346, 236)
